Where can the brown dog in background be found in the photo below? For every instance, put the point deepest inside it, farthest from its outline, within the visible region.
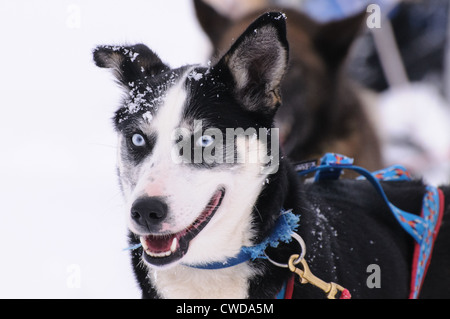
(321, 109)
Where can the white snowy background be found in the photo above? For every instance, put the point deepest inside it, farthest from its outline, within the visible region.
(62, 224)
(62, 220)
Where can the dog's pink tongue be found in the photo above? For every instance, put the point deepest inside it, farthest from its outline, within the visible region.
(159, 244)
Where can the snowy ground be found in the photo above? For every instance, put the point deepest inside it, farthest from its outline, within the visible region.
(62, 226)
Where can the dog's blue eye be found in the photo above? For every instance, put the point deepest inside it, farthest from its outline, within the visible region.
(138, 140)
(205, 141)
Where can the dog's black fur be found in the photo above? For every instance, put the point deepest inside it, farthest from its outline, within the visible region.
(345, 224)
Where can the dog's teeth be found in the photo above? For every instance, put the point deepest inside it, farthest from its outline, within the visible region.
(163, 254)
(173, 247)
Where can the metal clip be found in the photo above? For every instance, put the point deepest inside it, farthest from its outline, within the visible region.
(306, 276)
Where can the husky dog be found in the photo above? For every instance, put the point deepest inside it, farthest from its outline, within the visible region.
(202, 176)
(321, 111)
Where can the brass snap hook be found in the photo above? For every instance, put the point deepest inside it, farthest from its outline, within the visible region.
(306, 276)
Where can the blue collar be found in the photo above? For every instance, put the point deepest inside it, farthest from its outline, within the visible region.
(285, 225)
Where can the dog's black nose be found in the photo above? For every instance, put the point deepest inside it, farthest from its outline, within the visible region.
(148, 212)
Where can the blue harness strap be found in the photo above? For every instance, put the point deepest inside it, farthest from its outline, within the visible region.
(423, 229)
(432, 212)
(282, 293)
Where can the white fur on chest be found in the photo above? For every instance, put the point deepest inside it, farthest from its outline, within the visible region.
(183, 282)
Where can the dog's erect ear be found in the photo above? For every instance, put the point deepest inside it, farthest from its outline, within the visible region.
(211, 21)
(334, 39)
(257, 61)
(129, 63)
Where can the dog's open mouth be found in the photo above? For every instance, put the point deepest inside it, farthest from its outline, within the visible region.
(164, 249)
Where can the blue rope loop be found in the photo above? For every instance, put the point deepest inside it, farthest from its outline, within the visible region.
(331, 166)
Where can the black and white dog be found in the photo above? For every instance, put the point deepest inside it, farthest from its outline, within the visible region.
(202, 177)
